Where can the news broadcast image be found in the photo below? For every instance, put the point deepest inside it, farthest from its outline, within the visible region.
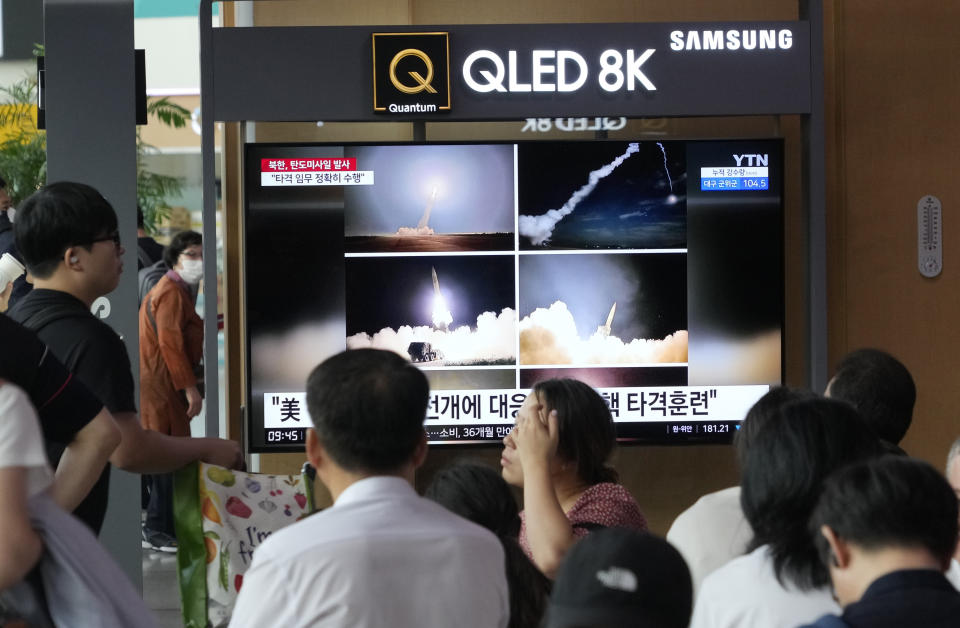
(652, 270)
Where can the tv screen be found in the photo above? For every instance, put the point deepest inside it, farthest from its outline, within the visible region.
(652, 270)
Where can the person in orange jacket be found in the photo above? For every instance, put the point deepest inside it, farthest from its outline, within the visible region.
(171, 347)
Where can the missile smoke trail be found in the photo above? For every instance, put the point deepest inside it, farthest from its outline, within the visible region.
(665, 168)
(540, 228)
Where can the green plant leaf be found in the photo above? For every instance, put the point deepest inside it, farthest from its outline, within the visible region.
(23, 155)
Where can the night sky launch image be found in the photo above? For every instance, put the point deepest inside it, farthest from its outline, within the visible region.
(592, 309)
(435, 311)
(431, 198)
(602, 195)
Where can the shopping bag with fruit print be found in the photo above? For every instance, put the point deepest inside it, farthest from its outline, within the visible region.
(222, 516)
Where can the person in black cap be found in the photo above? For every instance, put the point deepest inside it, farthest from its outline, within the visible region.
(621, 578)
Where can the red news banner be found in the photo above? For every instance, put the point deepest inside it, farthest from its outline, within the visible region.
(317, 171)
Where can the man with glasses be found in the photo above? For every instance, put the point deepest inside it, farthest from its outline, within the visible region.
(67, 233)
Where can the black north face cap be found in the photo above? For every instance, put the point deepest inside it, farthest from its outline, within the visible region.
(617, 577)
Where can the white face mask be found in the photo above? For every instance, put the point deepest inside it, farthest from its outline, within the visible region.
(11, 213)
(191, 271)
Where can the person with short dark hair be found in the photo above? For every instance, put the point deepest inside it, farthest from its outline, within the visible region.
(781, 582)
(478, 493)
(619, 578)
(881, 388)
(171, 348)
(149, 251)
(558, 452)
(67, 233)
(886, 530)
(713, 531)
(381, 555)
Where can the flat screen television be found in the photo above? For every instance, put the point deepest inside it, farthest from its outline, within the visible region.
(653, 270)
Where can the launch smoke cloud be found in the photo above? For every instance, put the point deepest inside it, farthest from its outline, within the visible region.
(549, 336)
(540, 228)
(493, 338)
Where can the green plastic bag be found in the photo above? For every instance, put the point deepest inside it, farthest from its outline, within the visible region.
(221, 517)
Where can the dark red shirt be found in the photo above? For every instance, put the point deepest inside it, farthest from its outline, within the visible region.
(604, 505)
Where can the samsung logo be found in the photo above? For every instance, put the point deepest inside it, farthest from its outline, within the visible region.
(752, 39)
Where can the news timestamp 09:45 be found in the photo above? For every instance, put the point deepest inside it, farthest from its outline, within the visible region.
(288, 435)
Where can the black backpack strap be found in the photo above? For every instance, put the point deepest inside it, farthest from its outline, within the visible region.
(43, 317)
(143, 257)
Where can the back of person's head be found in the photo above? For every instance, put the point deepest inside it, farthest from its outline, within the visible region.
(783, 474)
(478, 493)
(888, 502)
(880, 387)
(766, 406)
(140, 220)
(368, 407)
(178, 244)
(56, 217)
(586, 432)
(621, 578)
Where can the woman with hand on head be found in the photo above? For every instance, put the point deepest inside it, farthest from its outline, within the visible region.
(558, 452)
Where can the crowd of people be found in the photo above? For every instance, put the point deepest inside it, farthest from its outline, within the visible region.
(832, 524)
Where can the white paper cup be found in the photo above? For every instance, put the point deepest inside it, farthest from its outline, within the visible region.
(10, 269)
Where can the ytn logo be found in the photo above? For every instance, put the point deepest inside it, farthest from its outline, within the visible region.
(752, 160)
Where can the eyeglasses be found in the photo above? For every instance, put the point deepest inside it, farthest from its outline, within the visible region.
(115, 236)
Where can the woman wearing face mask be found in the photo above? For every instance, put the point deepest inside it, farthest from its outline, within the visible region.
(171, 346)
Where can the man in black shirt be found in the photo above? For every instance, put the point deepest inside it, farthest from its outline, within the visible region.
(149, 251)
(886, 529)
(77, 429)
(67, 233)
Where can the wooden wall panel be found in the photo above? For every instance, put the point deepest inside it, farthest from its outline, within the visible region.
(894, 140)
(326, 13)
(557, 11)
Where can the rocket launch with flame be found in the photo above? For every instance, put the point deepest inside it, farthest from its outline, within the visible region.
(441, 313)
(604, 330)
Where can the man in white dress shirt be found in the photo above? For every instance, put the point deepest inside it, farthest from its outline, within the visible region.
(381, 555)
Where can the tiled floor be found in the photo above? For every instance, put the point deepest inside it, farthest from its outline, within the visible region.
(160, 590)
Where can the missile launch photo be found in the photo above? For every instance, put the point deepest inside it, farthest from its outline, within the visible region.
(435, 311)
(430, 198)
(603, 309)
(604, 195)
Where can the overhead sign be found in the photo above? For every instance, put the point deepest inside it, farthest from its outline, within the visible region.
(510, 72)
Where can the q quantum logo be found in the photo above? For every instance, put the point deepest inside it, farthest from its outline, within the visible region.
(411, 72)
